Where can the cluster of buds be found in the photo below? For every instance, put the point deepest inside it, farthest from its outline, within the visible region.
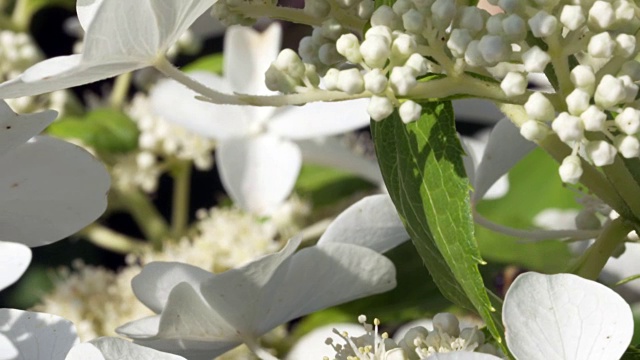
(418, 50)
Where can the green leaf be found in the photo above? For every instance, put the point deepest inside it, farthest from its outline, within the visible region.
(519, 207)
(326, 186)
(211, 63)
(423, 170)
(632, 353)
(106, 130)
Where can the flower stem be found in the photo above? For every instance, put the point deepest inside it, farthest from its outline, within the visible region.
(120, 90)
(261, 353)
(164, 66)
(594, 259)
(181, 173)
(151, 223)
(111, 240)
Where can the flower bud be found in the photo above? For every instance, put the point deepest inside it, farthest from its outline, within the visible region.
(572, 17)
(593, 118)
(535, 59)
(578, 101)
(601, 152)
(568, 127)
(514, 84)
(410, 111)
(533, 130)
(402, 79)
(628, 146)
(538, 107)
(601, 46)
(542, 24)
(348, 46)
(610, 92)
(418, 63)
(628, 121)
(458, 41)
(375, 81)
(351, 81)
(571, 169)
(601, 15)
(375, 51)
(379, 108)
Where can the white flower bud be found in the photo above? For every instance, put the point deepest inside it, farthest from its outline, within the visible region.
(330, 79)
(328, 54)
(542, 24)
(630, 88)
(514, 27)
(625, 11)
(571, 169)
(365, 9)
(383, 31)
(593, 118)
(572, 17)
(628, 121)
(601, 15)
(458, 41)
(610, 92)
(348, 46)
(535, 59)
(413, 21)
(583, 77)
(470, 18)
(375, 51)
(626, 45)
(418, 63)
(578, 101)
(402, 79)
(494, 49)
(632, 69)
(289, 62)
(510, 6)
(403, 46)
(400, 7)
(601, 152)
(384, 16)
(494, 24)
(332, 29)
(375, 81)
(514, 84)
(443, 12)
(628, 146)
(409, 111)
(473, 55)
(278, 80)
(601, 46)
(534, 130)
(379, 108)
(306, 49)
(538, 107)
(350, 81)
(568, 127)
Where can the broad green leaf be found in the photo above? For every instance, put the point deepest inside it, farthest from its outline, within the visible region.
(518, 208)
(105, 130)
(423, 170)
(325, 186)
(211, 63)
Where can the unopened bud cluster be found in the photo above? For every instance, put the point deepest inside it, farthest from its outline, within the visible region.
(417, 343)
(587, 49)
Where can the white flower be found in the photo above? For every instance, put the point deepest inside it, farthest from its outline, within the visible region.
(257, 156)
(121, 36)
(203, 315)
(49, 188)
(14, 260)
(41, 336)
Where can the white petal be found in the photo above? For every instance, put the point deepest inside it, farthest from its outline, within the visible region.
(14, 260)
(313, 346)
(372, 222)
(462, 355)
(153, 285)
(60, 73)
(86, 10)
(49, 189)
(477, 111)
(188, 327)
(258, 172)
(16, 129)
(247, 56)
(177, 104)
(116, 349)
(322, 276)
(320, 119)
(565, 317)
(332, 152)
(37, 336)
(505, 148)
(7, 349)
(138, 30)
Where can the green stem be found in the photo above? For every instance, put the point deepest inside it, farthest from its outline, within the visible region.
(120, 90)
(298, 16)
(619, 175)
(560, 64)
(446, 87)
(595, 258)
(20, 16)
(181, 189)
(111, 240)
(151, 223)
